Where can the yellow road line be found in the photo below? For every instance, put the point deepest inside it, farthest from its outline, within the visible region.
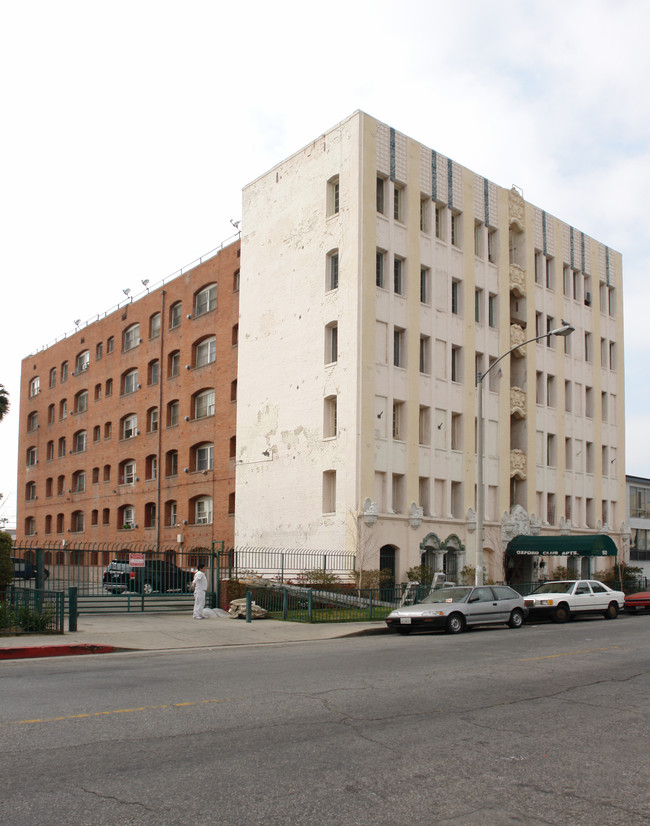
(569, 654)
(115, 711)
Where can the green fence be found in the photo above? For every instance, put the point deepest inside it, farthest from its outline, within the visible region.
(313, 605)
(31, 611)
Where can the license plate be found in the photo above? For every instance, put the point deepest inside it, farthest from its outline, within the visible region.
(404, 620)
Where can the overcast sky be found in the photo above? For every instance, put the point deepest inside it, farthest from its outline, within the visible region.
(129, 129)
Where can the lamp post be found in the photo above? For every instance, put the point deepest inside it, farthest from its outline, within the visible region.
(563, 331)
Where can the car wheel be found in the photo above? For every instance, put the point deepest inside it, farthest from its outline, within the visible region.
(455, 624)
(562, 613)
(147, 588)
(516, 619)
(403, 632)
(612, 611)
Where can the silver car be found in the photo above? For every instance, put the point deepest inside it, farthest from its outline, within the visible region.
(459, 607)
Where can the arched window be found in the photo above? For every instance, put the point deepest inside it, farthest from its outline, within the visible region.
(49, 486)
(205, 299)
(205, 351)
(202, 456)
(126, 472)
(64, 371)
(60, 523)
(82, 362)
(60, 485)
(129, 381)
(48, 523)
(50, 414)
(81, 401)
(53, 377)
(171, 463)
(150, 515)
(203, 403)
(151, 467)
(131, 337)
(78, 481)
(175, 312)
(153, 371)
(126, 517)
(173, 364)
(77, 522)
(171, 513)
(32, 421)
(202, 510)
(79, 441)
(30, 491)
(31, 456)
(173, 409)
(34, 386)
(30, 526)
(154, 325)
(152, 420)
(129, 426)
(49, 451)
(63, 408)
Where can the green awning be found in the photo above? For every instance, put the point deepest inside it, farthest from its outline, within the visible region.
(589, 545)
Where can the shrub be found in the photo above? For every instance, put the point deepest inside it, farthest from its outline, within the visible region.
(316, 578)
(6, 566)
(420, 573)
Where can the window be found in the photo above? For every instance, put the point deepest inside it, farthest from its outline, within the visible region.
(478, 306)
(203, 510)
(106, 516)
(64, 371)
(173, 408)
(550, 391)
(550, 325)
(205, 300)
(48, 523)
(440, 222)
(129, 426)
(99, 351)
(204, 404)
(152, 420)
(399, 347)
(205, 352)
(233, 390)
(50, 449)
(455, 229)
(329, 491)
(455, 297)
(425, 354)
(204, 456)
(424, 214)
(50, 414)
(59, 522)
(398, 203)
(131, 337)
(97, 432)
(235, 335)
(94, 516)
(129, 382)
(492, 310)
(539, 266)
(380, 194)
(330, 412)
(232, 447)
(151, 467)
(171, 463)
(588, 353)
(379, 268)
(53, 377)
(81, 401)
(171, 513)
(32, 421)
(398, 276)
(331, 343)
(77, 522)
(63, 408)
(456, 372)
(48, 487)
(30, 491)
(109, 387)
(456, 431)
(110, 344)
(95, 476)
(399, 421)
(107, 473)
(126, 517)
(551, 457)
(333, 196)
(150, 515)
(231, 504)
(79, 481)
(424, 425)
(492, 246)
(79, 441)
(82, 362)
(175, 315)
(34, 387)
(425, 285)
(398, 485)
(332, 281)
(153, 372)
(235, 281)
(174, 364)
(478, 239)
(154, 325)
(98, 392)
(126, 472)
(589, 402)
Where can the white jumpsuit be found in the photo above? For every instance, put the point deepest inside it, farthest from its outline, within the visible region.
(200, 586)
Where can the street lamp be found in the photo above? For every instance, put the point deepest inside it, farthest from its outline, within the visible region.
(564, 330)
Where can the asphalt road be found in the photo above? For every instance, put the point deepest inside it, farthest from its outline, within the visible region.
(543, 725)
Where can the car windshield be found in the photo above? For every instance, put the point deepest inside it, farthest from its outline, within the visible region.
(448, 595)
(554, 588)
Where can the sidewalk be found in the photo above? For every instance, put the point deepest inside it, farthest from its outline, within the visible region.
(108, 633)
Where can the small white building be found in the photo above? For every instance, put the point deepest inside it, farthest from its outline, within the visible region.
(378, 277)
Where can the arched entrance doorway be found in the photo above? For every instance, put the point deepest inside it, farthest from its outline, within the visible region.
(387, 562)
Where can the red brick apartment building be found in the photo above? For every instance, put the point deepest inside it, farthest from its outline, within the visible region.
(127, 430)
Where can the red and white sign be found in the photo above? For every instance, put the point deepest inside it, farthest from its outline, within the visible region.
(136, 560)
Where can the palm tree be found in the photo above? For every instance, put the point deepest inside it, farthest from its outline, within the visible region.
(4, 402)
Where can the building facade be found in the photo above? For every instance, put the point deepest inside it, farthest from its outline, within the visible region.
(638, 519)
(127, 427)
(379, 277)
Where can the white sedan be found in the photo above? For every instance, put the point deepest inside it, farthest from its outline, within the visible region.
(559, 601)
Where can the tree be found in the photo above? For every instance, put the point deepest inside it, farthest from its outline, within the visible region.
(4, 402)
(6, 565)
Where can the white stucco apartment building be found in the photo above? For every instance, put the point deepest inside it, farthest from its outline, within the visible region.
(377, 278)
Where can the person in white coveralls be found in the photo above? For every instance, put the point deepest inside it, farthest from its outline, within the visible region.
(199, 586)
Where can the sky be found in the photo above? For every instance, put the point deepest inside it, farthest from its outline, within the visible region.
(130, 128)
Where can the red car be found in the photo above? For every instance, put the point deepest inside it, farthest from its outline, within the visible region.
(636, 602)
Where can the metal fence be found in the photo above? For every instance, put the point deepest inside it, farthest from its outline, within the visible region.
(31, 611)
